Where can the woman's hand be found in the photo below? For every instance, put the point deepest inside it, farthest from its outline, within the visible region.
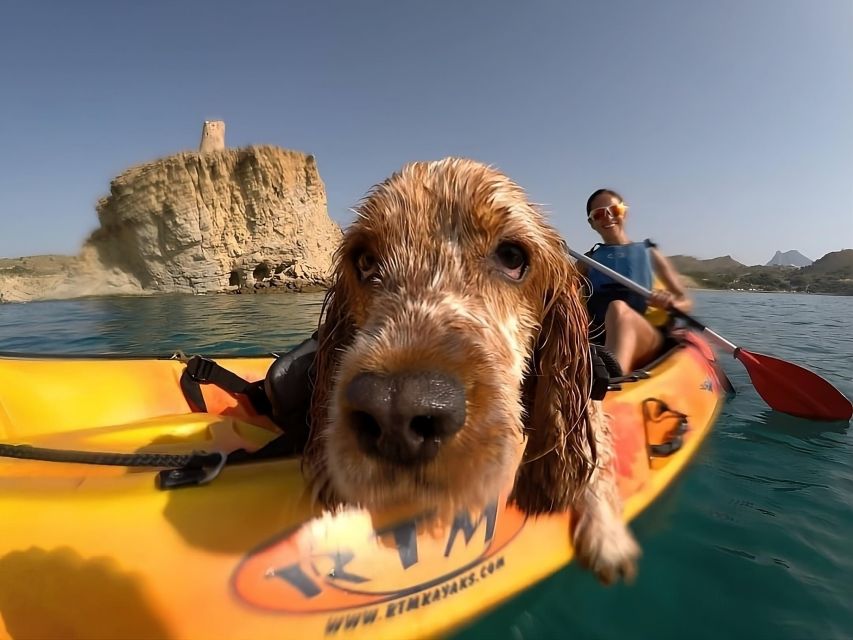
(662, 299)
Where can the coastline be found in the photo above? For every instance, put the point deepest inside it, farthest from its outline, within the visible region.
(62, 277)
(65, 277)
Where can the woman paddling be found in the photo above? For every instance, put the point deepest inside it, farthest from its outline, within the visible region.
(629, 326)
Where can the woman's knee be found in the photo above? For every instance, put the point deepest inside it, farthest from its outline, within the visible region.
(618, 310)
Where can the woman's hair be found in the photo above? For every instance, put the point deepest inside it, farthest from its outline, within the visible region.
(597, 193)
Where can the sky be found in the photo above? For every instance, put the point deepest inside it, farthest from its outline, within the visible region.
(727, 125)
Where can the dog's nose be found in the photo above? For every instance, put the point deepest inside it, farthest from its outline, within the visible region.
(405, 417)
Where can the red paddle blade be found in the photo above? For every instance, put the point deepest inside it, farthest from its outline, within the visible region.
(791, 389)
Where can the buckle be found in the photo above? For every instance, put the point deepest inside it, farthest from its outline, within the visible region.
(192, 475)
(666, 449)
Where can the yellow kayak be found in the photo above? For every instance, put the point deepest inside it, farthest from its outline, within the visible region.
(94, 551)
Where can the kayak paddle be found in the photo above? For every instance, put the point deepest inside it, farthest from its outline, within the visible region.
(784, 386)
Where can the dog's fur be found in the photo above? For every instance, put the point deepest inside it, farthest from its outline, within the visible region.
(422, 284)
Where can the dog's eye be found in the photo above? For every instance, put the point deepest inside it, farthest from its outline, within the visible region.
(367, 266)
(511, 259)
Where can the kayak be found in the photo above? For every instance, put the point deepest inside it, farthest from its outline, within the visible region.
(110, 551)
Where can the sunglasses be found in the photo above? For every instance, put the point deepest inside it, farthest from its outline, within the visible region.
(617, 210)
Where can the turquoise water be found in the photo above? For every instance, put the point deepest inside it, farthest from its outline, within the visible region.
(754, 541)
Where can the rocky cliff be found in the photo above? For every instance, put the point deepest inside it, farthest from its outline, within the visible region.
(199, 223)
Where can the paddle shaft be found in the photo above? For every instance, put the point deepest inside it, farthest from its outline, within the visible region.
(638, 288)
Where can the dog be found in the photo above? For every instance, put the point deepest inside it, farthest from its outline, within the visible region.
(453, 360)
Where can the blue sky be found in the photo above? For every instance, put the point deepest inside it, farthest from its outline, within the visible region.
(726, 125)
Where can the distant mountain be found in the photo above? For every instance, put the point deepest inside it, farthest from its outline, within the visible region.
(789, 259)
(689, 264)
(837, 263)
(833, 274)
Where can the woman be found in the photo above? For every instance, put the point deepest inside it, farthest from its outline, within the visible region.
(633, 326)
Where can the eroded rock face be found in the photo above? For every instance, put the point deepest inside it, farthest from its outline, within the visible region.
(248, 219)
(207, 222)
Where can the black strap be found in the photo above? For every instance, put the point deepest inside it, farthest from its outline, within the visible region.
(594, 247)
(201, 371)
(600, 375)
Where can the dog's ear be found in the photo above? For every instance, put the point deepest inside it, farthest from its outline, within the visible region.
(336, 331)
(560, 454)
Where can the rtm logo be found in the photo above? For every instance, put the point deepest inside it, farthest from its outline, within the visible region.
(334, 563)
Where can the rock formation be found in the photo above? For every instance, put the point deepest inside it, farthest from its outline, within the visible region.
(212, 221)
(204, 222)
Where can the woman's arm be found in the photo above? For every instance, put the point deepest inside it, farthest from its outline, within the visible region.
(677, 297)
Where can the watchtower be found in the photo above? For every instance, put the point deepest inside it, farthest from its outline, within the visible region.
(212, 136)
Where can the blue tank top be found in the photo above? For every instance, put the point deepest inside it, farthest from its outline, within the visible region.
(632, 261)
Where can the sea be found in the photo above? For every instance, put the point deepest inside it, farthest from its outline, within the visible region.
(754, 540)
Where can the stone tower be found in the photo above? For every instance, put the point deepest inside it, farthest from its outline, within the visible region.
(212, 136)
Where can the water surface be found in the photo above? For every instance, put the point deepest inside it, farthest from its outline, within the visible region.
(753, 541)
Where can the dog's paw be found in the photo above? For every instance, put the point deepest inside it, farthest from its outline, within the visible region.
(608, 549)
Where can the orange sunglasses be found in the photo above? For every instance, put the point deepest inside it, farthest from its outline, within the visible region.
(617, 210)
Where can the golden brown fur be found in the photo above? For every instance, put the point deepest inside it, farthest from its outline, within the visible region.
(425, 283)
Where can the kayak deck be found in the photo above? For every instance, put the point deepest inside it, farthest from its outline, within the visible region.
(89, 551)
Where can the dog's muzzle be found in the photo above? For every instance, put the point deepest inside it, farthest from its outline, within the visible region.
(404, 418)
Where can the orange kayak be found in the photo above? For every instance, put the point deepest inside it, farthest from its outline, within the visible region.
(89, 551)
